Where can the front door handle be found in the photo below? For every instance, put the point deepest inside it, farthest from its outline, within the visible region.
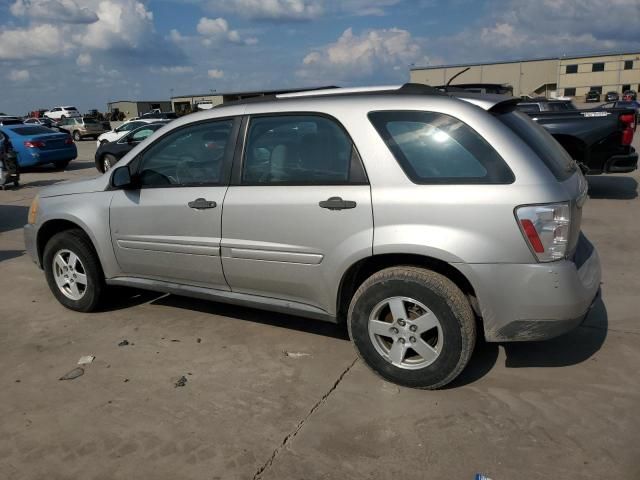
(202, 204)
(337, 203)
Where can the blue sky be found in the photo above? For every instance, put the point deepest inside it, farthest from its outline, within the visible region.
(88, 52)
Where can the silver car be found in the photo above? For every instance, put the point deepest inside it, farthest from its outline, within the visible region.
(420, 219)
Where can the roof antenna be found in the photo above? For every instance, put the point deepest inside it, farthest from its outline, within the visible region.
(455, 76)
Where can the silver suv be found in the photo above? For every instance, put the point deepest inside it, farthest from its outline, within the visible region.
(420, 219)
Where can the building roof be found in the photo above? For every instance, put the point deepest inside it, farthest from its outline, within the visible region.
(138, 101)
(252, 93)
(521, 60)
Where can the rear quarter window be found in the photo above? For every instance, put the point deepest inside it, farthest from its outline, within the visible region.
(434, 148)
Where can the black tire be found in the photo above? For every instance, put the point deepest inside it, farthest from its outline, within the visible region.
(442, 297)
(108, 161)
(76, 136)
(62, 165)
(77, 242)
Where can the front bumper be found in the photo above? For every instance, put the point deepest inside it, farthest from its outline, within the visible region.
(526, 302)
(30, 242)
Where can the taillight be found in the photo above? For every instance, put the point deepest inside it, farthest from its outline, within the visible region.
(629, 120)
(34, 144)
(546, 229)
(68, 141)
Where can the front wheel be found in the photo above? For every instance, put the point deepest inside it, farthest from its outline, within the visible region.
(76, 136)
(73, 271)
(108, 161)
(412, 326)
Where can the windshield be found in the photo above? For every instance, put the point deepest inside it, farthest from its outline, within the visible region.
(554, 156)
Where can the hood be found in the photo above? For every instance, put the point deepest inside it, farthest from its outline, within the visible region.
(97, 184)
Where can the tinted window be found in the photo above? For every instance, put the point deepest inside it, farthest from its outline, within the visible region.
(529, 107)
(436, 148)
(561, 106)
(299, 150)
(628, 64)
(142, 133)
(541, 142)
(572, 69)
(187, 156)
(28, 131)
(130, 126)
(597, 67)
(92, 121)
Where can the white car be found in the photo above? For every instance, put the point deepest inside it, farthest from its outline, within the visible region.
(122, 130)
(60, 113)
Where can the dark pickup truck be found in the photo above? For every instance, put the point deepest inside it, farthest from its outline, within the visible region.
(598, 139)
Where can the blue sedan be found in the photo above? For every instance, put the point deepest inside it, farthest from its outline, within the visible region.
(38, 145)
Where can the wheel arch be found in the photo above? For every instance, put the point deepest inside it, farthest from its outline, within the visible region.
(51, 227)
(358, 272)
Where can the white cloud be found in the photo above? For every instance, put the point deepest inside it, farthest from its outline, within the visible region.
(215, 73)
(176, 70)
(33, 42)
(176, 37)
(271, 9)
(216, 30)
(122, 23)
(84, 60)
(65, 11)
(18, 75)
(359, 56)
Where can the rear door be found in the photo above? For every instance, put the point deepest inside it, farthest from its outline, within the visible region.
(169, 228)
(298, 212)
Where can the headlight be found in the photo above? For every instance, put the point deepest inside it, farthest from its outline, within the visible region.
(33, 211)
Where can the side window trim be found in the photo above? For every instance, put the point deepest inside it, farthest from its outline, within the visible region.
(227, 160)
(239, 156)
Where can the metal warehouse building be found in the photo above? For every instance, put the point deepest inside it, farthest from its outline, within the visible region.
(188, 103)
(134, 108)
(571, 76)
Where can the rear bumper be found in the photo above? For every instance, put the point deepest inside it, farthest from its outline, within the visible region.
(526, 302)
(622, 163)
(41, 157)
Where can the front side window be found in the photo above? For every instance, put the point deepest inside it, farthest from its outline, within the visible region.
(193, 155)
(299, 150)
(434, 148)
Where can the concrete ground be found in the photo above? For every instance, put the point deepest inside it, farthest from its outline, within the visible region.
(562, 409)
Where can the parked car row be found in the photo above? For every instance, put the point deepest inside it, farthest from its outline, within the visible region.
(594, 96)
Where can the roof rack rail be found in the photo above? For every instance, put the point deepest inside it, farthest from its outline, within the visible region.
(406, 89)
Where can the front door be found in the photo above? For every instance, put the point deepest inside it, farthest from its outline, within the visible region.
(298, 213)
(169, 228)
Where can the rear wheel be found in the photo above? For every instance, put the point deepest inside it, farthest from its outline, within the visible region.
(76, 136)
(73, 271)
(61, 165)
(412, 326)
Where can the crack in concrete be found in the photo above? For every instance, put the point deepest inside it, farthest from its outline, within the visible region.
(289, 438)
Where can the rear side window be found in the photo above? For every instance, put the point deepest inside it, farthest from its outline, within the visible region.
(554, 156)
(300, 150)
(434, 148)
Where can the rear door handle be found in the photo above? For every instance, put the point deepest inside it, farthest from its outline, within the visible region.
(202, 204)
(337, 203)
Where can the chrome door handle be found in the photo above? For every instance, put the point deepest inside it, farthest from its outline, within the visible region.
(337, 203)
(202, 204)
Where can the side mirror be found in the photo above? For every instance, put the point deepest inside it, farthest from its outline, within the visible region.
(121, 178)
